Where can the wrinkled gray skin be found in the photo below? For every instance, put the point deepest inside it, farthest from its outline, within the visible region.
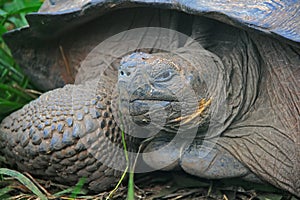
(67, 133)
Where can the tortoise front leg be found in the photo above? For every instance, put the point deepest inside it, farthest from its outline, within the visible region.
(66, 134)
(211, 163)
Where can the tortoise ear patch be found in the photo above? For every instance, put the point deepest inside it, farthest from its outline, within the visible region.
(203, 105)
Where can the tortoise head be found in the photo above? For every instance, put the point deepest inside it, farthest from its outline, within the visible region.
(162, 89)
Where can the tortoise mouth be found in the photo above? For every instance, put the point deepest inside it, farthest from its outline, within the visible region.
(156, 97)
(144, 111)
(142, 106)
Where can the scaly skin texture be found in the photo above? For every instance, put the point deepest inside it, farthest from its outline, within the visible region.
(169, 81)
(255, 140)
(66, 134)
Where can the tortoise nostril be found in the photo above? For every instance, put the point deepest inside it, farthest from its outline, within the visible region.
(124, 73)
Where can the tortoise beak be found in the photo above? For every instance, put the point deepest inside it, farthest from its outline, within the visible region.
(148, 92)
(143, 112)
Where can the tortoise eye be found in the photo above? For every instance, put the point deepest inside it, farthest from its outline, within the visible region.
(164, 76)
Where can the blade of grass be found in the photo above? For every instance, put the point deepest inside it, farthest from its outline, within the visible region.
(126, 169)
(4, 191)
(25, 10)
(3, 13)
(15, 91)
(37, 184)
(7, 104)
(4, 74)
(24, 180)
(63, 192)
(7, 60)
(78, 188)
(130, 193)
(270, 197)
(2, 30)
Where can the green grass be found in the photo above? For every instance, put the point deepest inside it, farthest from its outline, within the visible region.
(129, 168)
(15, 89)
(22, 179)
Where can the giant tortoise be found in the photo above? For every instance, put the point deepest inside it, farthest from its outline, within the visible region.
(207, 87)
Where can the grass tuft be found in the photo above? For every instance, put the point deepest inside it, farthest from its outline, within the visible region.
(130, 192)
(15, 89)
(24, 180)
(78, 188)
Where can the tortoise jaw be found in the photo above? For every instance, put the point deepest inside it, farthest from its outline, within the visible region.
(142, 111)
(141, 107)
